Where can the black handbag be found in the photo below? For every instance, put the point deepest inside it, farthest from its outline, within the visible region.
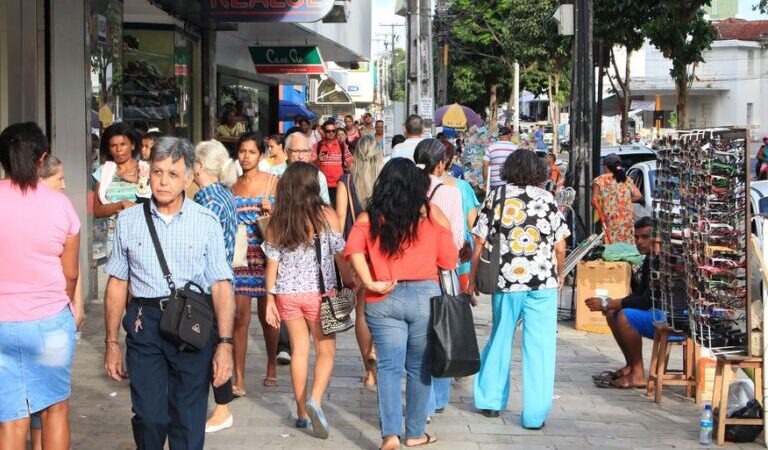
(187, 317)
(336, 311)
(488, 267)
(453, 343)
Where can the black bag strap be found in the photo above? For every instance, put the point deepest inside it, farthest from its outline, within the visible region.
(319, 256)
(496, 250)
(434, 190)
(158, 248)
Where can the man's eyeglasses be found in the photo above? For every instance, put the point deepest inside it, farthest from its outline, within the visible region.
(299, 150)
(330, 130)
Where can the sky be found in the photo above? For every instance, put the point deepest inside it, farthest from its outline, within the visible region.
(384, 13)
(746, 12)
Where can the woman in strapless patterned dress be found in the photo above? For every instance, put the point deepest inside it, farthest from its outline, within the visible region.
(254, 196)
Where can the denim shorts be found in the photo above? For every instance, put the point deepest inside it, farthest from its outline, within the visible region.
(35, 364)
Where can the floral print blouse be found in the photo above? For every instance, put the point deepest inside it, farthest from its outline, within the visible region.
(615, 199)
(530, 224)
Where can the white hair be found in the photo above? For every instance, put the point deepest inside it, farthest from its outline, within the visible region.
(214, 158)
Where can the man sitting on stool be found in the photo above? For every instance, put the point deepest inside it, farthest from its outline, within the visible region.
(631, 318)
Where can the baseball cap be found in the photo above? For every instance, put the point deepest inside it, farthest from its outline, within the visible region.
(612, 160)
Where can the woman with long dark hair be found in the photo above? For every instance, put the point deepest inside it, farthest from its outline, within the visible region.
(612, 195)
(39, 242)
(396, 247)
(277, 160)
(117, 180)
(254, 197)
(302, 221)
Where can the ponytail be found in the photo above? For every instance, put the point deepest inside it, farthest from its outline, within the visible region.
(618, 172)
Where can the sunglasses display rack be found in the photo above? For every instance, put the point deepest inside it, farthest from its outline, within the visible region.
(713, 186)
(668, 274)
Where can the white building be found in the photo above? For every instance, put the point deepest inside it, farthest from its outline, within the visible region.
(730, 87)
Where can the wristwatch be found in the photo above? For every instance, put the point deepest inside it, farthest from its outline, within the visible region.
(225, 340)
(604, 303)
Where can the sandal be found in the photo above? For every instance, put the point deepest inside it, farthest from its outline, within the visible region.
(430, 440)
(606, 375)
(611, 384)
(269, 382)
(238, 392)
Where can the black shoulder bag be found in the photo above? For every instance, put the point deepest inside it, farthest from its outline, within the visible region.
(490, 260)
(187, 317)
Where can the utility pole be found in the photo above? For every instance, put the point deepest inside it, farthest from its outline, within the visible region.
(441, 10)
(420, 87)
(582, 97)
(516, 98)
(394, 37)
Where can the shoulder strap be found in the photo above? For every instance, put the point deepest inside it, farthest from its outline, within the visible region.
(434, 190)
(319, 256)
(158, 248)
(349, 197)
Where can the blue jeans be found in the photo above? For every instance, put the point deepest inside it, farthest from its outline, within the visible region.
(538, 310)
(439, 395)
(399, 326)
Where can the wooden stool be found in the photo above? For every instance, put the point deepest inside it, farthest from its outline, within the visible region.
(723, 371)
(658, 375)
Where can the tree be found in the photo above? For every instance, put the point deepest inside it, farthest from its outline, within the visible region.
(762, 6)
(678, 29)
(492, 36)
(620, 23)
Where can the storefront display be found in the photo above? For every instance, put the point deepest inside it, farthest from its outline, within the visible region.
(157, 79)
(249, 99)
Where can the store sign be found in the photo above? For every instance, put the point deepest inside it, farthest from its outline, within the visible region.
(287, 60)
(296, 11)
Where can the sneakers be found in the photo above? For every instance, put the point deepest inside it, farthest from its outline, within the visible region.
(222, 426)
(283, 358)
(303, 423)
(319, 424)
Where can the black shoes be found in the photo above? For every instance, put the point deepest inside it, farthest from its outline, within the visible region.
(489, 413)
(536, 428)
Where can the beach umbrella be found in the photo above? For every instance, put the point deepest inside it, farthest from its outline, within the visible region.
(457, 116)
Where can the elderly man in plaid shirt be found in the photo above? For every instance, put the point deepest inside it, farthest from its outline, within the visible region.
(169, 387)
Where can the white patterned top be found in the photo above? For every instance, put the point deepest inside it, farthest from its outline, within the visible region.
(297, 268)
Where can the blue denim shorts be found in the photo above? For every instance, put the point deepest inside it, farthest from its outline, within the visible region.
(35, 364)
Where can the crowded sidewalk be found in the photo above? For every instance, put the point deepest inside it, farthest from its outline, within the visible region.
(583, 415)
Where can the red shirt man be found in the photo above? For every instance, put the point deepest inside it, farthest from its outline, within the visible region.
(327, 154)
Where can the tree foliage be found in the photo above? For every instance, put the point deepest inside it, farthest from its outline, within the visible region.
(680, 31)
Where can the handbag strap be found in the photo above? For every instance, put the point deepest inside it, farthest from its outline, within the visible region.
(433, 191)
(158, 248)
(349, 198)
(319, 256)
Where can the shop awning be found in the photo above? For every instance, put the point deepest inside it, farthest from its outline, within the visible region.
(288, 110)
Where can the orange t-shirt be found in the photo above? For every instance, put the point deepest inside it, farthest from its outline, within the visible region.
(432, 247)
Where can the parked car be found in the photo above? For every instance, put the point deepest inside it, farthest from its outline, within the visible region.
(630, 154)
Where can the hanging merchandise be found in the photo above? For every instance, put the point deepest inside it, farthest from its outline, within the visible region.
(702, 222)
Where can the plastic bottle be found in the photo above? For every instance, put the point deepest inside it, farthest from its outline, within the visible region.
(705, 433)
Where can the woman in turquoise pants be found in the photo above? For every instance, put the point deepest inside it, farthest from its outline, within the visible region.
(532, 234)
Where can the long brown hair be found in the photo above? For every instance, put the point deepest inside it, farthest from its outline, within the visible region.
(297, 205)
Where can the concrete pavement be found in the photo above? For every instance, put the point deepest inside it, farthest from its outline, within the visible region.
(583, 415)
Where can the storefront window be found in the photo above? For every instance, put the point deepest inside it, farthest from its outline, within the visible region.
(157, 79)
(105, 36)
(254, 97)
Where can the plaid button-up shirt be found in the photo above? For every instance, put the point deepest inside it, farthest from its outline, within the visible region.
(220, 200)
(192, 242)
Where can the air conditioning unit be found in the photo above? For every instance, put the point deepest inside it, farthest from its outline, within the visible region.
(339, 13)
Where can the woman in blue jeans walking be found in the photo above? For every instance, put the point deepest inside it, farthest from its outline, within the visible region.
(396, 247)
(532, 242)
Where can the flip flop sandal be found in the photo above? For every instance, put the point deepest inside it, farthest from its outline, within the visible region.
(430, 440)
(238, 392)
(611, 384)
(269, 382)
(605, 375)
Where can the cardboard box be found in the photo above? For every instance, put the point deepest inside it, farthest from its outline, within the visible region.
(596, 278)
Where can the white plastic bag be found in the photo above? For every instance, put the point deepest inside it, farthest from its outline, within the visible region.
(739, 393)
